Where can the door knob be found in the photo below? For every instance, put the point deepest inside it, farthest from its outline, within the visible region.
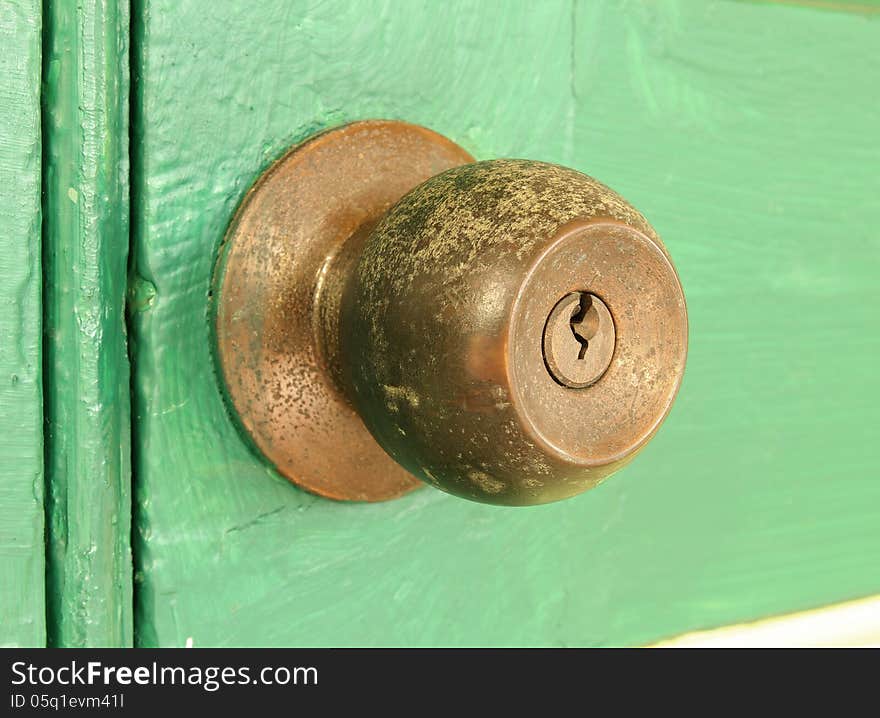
(387, 310)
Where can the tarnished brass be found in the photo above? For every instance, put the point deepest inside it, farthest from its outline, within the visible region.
(579, 340)
(276, 292)
(508, 331)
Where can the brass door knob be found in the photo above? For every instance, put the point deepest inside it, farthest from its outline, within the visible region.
(508, 331)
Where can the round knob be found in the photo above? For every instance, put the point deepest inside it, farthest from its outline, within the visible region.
(508, 331)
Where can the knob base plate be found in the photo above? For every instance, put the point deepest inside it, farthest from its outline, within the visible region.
(272, 268)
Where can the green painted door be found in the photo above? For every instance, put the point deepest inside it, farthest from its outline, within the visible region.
(65, 506)
(745, 131)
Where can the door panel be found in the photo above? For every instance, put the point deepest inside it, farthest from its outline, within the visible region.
(752, 158)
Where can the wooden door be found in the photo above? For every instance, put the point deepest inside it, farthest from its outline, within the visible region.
(745, 132)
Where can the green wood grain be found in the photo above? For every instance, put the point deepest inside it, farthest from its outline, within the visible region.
(22, 612)
(86, 248)
(755, 157)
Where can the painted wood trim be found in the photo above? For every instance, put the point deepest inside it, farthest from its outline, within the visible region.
(22, 616)
(854, 624)
(85, 132)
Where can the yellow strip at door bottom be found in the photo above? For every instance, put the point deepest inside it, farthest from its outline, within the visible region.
(855, 624)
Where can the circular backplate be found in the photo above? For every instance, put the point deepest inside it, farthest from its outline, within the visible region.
(290, 226)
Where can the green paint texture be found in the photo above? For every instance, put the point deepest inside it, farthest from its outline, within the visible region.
(746, 134)
(85, 234)
(22, 570)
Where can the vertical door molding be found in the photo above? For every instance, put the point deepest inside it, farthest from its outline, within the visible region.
(86, 382)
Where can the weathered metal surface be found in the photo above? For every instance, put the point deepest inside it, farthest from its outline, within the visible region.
(275, 283)
(429, 327)
(579, 340)
(443, 321)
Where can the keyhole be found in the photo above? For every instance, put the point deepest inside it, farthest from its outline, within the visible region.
(584, 323)
(579, 340)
